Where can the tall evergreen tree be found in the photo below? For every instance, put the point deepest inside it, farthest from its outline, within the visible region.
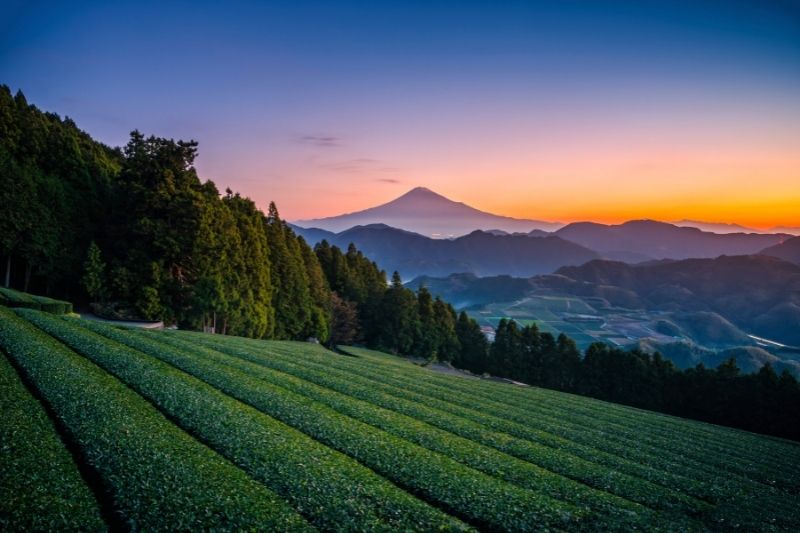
(161, 202)
(426, 341)
(291, 296)
(94, 276)
(473, 343)
(256, 316)
(216, 268)
(397, 318)
(447, 343)
(344, 321)
(319, 293)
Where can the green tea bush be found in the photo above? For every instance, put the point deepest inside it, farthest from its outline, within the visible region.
(40, 486)
(481, 499)
(333, 491)
(157, 476)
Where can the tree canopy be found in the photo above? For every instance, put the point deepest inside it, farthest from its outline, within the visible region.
(136, 233)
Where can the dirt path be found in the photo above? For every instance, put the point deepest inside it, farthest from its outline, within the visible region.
(128, 323)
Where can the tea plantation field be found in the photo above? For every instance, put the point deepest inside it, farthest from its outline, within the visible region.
(106, 428)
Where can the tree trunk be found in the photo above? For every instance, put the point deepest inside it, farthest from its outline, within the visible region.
(27, 277)
(8, 271)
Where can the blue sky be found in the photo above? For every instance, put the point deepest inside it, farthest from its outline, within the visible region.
(355, 102)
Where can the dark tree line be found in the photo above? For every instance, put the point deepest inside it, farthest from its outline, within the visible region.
(763, 402)
(392, 317)
(137, 234)
(50, 172)
(174, 248)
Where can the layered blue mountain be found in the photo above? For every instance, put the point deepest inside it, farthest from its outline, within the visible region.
(788, 250)
(643, 240)
(427, 214)
(481, 253)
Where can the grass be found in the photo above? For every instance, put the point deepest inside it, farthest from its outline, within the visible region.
(232, 433)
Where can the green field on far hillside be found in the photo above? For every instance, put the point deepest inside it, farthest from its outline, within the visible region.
(575, 317)
(157, 430)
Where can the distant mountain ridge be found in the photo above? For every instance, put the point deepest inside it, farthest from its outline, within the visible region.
(430, 214)
(757, 293)
(716, 227)
(642, 240)
(788, 250)
(496, 252)
(791, 230)
(481, 253)
(748, 358)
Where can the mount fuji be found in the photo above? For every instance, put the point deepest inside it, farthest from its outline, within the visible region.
(428, 213)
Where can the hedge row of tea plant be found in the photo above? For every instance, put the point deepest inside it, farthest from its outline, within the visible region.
(765, 502)
(626, 437)
(605, 511)
(154, 475)
(330, 489)
(747, 490)
(12, 298)
(737, 500)
(771, 486)
(480, 499)
(40, 485)
(626, 486)
(562, 432)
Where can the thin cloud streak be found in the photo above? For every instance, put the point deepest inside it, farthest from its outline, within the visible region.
(322, 141)
(358, 165)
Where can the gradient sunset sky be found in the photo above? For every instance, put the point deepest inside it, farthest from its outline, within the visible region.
(557, 110)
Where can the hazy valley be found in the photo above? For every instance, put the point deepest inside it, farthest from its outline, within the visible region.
(694, 295)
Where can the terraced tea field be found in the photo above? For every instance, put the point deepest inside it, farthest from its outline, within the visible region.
(128, 429)
(582, 320)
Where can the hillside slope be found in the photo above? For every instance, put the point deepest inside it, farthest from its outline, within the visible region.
(759, 294)
(302, 437)
(788, 250)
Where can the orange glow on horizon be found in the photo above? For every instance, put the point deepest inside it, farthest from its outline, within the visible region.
(736, 197)
(758, 210)
(748, 208)
(708, 168)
